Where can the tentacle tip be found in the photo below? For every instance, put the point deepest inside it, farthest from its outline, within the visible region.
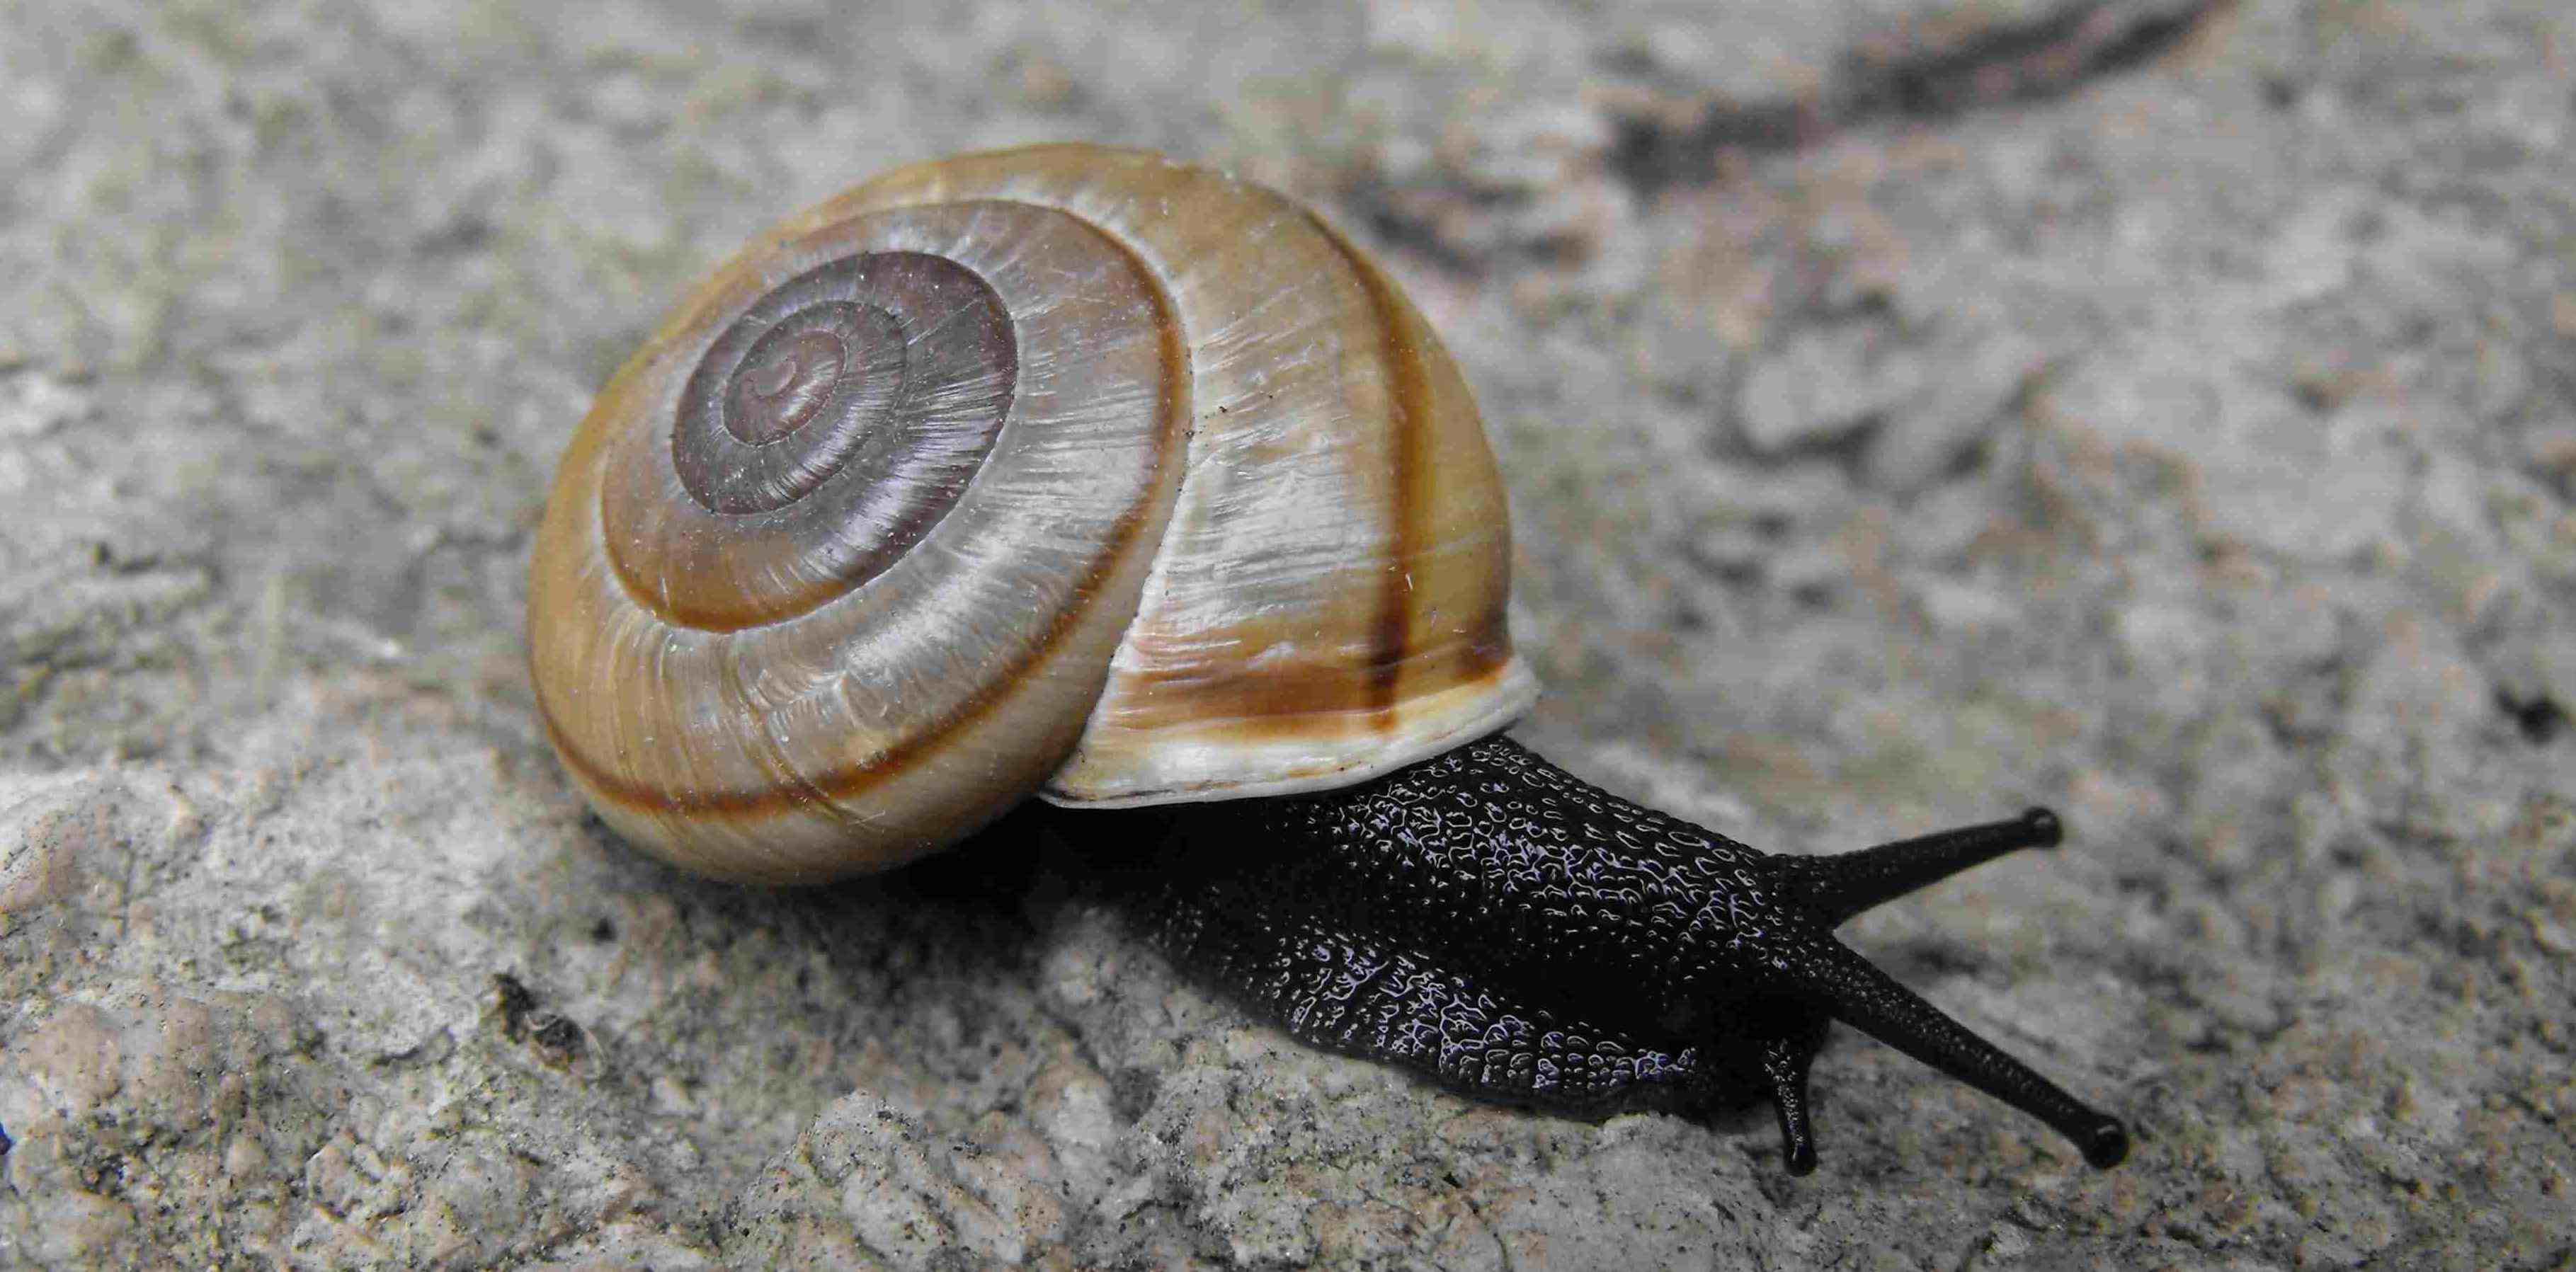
(2105, 1145)
(1799, 1158)
(2043, 827)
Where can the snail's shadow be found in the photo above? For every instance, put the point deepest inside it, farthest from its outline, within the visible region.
(889, 964)
(970, 916)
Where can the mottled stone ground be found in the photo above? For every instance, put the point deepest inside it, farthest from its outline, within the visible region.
(2165, 411)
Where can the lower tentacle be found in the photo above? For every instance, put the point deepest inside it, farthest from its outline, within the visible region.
(1785, 1062)
(1860, 995)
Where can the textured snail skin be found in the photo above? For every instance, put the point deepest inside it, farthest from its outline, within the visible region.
(1492, 922)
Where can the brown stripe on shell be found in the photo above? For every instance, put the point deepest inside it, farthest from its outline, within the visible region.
(1344, 698)
(1405, 395)
(1409, 393)
(856, 779)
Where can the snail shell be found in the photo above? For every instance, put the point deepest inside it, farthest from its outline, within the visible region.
(1061, 470)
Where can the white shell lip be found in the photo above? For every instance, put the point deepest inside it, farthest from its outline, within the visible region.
(1172, 767)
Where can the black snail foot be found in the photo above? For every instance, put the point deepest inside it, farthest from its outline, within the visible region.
(1492, 922)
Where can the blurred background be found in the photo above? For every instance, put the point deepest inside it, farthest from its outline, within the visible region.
(1913, 409)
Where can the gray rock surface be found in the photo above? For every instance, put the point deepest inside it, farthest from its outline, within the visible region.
(2161, 410)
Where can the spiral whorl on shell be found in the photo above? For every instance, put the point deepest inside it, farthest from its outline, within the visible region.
(1060, 468)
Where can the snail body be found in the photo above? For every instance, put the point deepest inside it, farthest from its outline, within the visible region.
(1077, 473)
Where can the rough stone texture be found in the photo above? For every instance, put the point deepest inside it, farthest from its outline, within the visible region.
(1912, 410)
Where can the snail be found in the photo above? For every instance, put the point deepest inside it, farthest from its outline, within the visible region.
(1079, 473)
